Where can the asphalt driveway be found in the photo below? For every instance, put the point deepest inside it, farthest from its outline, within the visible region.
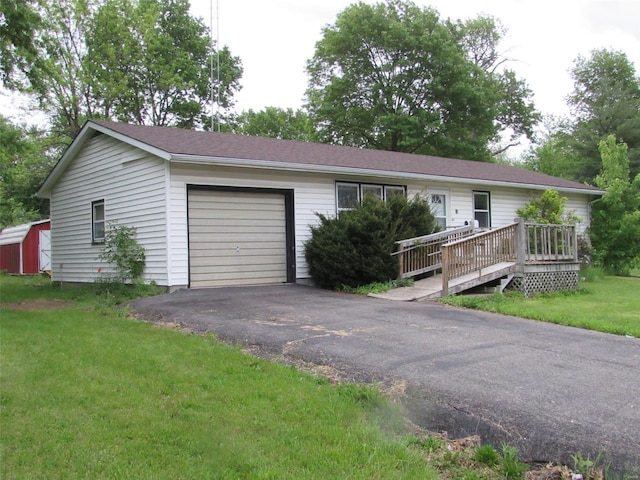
(549, 390)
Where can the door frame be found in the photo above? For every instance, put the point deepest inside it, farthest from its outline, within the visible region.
(289, 213)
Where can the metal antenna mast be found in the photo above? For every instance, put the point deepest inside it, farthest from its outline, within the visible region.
(215, 99)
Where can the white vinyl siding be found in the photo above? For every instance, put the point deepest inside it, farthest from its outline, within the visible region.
(236, 238)
(132, 185)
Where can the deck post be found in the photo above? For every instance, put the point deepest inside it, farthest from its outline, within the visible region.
(445, 270)
(521, 245)
(401, 271)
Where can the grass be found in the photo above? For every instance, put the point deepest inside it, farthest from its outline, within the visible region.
(90, 393)
(378, 287)
(603, 303)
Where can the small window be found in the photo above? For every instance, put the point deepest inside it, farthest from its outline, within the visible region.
(348, 195)
(97, 221)
(482, 209)
(375, 190)
(391, 190)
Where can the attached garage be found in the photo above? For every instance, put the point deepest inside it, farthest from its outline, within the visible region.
(240, 236)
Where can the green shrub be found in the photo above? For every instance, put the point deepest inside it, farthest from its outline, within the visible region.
(354, 248)
(123, 251)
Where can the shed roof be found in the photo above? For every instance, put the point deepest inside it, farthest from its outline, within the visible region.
(175, 144)
(17, 233)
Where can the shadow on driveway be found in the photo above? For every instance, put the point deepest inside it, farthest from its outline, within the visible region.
(550, 391)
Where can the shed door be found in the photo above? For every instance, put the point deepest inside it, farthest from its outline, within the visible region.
(236, 238)
(44, 250)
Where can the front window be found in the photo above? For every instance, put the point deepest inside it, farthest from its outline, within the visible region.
(348, 195)
(97, 221)
(482, 209)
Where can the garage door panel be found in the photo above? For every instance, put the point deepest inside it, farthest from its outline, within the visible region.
(236, 238)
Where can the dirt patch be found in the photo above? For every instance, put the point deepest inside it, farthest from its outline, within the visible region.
(38, 304)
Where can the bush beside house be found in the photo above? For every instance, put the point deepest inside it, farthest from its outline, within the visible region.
(354, 248)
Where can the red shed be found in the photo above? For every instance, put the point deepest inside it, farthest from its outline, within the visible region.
(26, 248)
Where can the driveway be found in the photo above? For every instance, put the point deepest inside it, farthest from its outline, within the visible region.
(549, 390)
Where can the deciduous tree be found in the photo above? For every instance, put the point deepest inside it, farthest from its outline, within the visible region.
(274, 122)
(615, 224)
(605, 101)
(394, 76)
(23, 167)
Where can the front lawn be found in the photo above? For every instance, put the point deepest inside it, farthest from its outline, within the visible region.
(90, 393)
(603, 303)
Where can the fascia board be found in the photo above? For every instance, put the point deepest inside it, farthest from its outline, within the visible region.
(329, 169)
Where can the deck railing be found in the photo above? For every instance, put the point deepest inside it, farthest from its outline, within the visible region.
(479, 251)
(459, 251)
(550, 243)
(423, 254)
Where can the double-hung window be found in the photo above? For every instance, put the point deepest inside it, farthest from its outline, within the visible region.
(482, 209)
(97, 221)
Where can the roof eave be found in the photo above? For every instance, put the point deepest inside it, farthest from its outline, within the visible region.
(332, 169)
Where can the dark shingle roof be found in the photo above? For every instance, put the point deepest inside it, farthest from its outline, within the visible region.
(225, 145)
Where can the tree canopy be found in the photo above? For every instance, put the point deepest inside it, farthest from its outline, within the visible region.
(615, 226)
(274, 122)
(605, 101)
(394, 76)
(24, 165)
(139, 61)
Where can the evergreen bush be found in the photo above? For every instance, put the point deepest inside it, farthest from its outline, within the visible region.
(354, 248)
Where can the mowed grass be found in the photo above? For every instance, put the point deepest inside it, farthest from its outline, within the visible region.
(603, 303)
(87, 392)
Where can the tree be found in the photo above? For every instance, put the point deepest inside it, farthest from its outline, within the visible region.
(548, 208)
(552, 154)
(393, 76)
(19, 23)
(274, 122)
(605, 101)
(150, 63)
(24, 165)
(615, 224)
(140, 61)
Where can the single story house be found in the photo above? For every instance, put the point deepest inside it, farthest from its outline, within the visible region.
(215, 209)
(26, 249)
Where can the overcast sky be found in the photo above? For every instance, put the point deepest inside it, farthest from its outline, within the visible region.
(274, 38)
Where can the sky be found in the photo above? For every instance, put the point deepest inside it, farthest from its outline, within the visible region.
(275, 38)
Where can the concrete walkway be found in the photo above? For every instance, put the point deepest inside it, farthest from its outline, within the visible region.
(550, 391)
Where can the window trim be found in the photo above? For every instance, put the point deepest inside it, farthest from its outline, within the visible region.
(476, 210)
(385, 189)
(94, 238)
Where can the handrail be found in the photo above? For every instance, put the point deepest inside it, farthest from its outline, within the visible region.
(422, 254)
(476, 252)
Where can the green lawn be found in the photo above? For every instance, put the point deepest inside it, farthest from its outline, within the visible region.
(88, 393)
(603, 303)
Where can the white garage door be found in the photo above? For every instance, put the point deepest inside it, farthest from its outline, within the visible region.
(236, 238)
